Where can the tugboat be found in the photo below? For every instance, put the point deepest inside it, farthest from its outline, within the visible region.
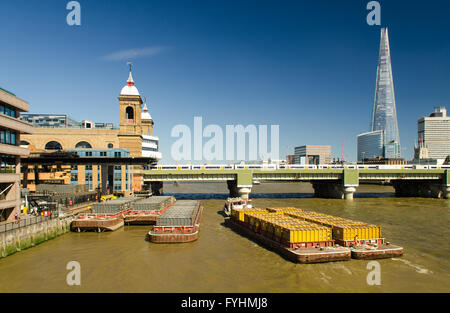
(237, 203)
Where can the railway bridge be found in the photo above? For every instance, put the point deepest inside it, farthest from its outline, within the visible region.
(327, 183)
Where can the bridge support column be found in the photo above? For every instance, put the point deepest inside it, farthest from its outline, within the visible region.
(236, 190)
(333, 189)
(244, 192)
(348, 193)
(157, 188)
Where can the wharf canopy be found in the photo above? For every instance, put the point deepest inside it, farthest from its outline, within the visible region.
(134, 138)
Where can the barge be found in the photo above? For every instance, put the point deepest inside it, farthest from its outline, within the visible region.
(180, 223)
(105, 216)
(312, 254)
(365, 240)
(98, 222)
(310, 237)
(146, 211)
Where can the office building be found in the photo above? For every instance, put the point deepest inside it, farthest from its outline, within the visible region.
(434, 135)
(12, 129)
(309, 154)
(384, 116)
(371, 145)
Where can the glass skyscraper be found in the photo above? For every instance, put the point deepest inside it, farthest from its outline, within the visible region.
(384, 109)
(383, 140)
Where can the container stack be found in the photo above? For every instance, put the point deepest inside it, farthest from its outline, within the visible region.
(182, 213)
(343, 230)
(113, 206)
(153, 204)
(290, 231)
(284, 210)
(239, 214)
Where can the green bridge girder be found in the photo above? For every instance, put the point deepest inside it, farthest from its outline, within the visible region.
(349, 177)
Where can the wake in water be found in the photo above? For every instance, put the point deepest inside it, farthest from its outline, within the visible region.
(414, 266)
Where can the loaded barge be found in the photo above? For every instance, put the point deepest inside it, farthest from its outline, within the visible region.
(178, 224)
(146, 211)
(105, 216)
(310, 237)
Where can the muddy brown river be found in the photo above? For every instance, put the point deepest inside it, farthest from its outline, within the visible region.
(224, 261)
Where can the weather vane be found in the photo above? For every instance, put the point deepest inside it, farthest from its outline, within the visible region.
(130, 64)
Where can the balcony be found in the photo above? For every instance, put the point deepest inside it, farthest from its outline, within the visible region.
(16, 124)
(13, 150)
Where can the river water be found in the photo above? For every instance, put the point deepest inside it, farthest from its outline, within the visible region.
(223, 261)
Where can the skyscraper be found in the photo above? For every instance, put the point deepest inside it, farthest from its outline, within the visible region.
(383, 140)
(384, 108)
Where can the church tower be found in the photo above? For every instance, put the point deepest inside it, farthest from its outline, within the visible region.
(130, 133)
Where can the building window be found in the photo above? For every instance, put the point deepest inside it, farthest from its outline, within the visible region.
(110, 145)
(117, 154)
(129, 114)
(24, 143)
(83, 145)
(8, 111)
(88, 167)
(102, 153)
(7, 164)
(7, 137)
(53, 145)
(88, 153)
(74, 177)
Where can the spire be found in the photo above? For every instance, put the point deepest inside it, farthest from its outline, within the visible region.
(130, 81)
(145, 115)
(130, 89)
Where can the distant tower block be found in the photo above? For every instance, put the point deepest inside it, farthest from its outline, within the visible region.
(384, 109)
(130, 118)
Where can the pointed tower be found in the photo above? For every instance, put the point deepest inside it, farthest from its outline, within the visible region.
(147, 122)
(130, 118)
(384, 110)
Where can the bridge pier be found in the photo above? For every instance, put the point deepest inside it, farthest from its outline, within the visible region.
(425, 189)
(157, 188)
(348, 192)
(238, 191)
(333, 189)
(244, 192)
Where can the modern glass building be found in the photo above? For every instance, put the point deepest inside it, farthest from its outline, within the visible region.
(371, 145)
(434, 133)
(61, 121)
(384, 109)
(384, 128)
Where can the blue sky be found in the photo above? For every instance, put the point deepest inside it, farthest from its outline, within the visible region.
(308, 66)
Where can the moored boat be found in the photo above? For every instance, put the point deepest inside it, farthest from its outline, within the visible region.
(178, 224)
(98, 222)
(236, 203)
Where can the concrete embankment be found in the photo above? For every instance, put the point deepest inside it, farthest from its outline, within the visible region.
(22, 238)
